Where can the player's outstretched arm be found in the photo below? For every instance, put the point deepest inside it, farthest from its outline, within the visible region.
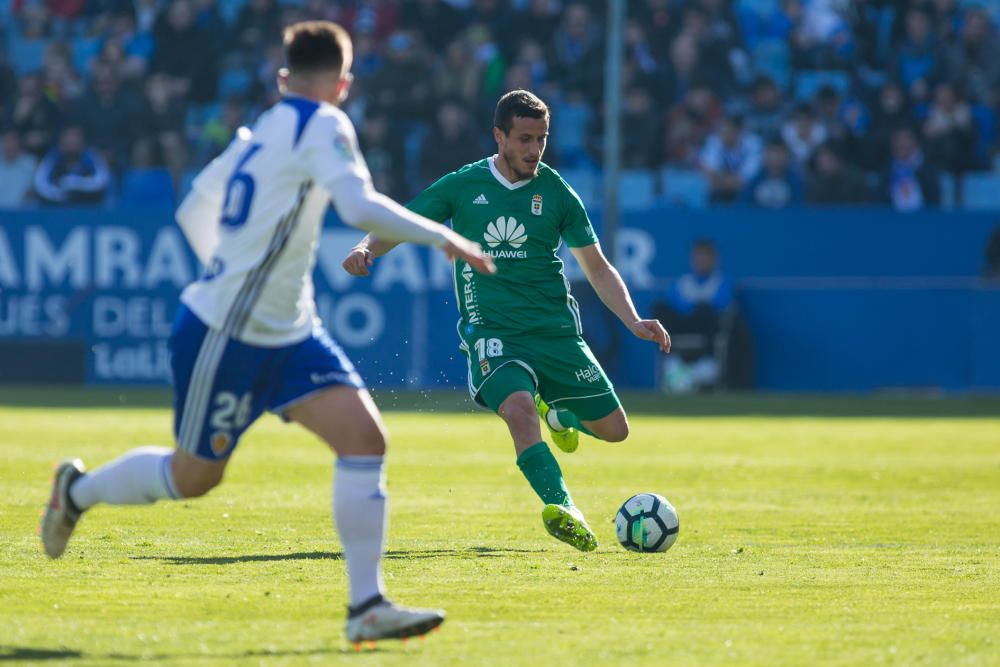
(361, 256)
(608, 284)
(359, 205)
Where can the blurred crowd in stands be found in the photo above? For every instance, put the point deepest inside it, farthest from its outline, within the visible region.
(768, 103)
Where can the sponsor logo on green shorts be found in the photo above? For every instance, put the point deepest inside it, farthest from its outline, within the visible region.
(591, 373)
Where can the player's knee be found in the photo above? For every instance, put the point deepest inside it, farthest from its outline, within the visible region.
(374, 439)
(518, 411)
(618, 433)
(367, 437)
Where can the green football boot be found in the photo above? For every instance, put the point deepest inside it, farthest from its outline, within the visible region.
(568, 439)
(568, 525)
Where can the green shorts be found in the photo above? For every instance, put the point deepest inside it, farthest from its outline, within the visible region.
(562, 370)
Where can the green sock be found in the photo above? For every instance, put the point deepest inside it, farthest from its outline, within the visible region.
(570, 420)
(542, 471)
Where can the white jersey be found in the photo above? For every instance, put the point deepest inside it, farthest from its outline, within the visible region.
(270, 190)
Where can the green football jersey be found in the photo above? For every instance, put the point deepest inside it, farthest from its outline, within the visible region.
(520, 225)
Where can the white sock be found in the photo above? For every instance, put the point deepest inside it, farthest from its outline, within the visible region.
(359, 509)
(140, 477)
(552, 417)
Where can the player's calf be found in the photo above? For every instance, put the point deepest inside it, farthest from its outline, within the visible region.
(613, 428)
(194, 477)
(348, 420)
(519, 414)
(139, 477)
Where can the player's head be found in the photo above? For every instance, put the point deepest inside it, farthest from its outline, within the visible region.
(731, 129)
(72, 140)
(776, 157)
(704, 257)
(521, 128)
(10, 144)
(318, 54)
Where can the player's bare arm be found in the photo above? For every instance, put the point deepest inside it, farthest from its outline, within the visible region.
(608, 284)
(363, 255)
(453, 246)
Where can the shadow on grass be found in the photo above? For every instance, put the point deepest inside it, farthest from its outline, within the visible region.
(21, 653)
(909, 405)
(33, 654)
(414, 554)
(247, 558)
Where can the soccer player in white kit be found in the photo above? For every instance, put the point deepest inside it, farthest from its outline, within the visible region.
(247, 338)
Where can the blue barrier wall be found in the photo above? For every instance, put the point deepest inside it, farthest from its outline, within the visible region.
(837, 300)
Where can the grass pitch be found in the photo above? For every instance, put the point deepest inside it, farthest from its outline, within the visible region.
(812, 532)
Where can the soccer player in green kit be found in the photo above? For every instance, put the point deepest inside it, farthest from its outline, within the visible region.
(520, 328)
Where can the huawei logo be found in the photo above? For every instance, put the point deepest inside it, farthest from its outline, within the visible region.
(505, 229)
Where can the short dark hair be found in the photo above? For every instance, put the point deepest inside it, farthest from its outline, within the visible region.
(827, 93)
(734, 118)
(314, 46)
(705, 245)
(518, 103)
(762, 81)
(74, 126)
(828, 147)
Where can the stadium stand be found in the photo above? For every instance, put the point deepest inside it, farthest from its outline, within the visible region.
(178, 77)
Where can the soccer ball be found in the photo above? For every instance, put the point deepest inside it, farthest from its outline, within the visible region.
(647, 522)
